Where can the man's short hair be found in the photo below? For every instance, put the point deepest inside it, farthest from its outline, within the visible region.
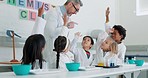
(75, 2)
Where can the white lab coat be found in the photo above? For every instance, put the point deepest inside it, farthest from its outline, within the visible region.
(110, 58)
(121, 47)
(44, 65)
(52, 26)
(98, 57)
(80, 55)
(99, 52)
(67, 57)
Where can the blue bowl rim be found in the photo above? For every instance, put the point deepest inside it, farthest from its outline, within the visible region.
(72, 63)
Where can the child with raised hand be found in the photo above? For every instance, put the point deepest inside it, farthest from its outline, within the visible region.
(61, 46)
(105, 44)
(118, 33)
(110, 47)
(82, 55)
(32, 52)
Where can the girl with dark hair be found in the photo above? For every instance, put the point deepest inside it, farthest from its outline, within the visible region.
(61, 46)
(32, 52)
(82, 55)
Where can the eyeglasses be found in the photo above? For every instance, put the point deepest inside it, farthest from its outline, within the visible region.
(75, 8)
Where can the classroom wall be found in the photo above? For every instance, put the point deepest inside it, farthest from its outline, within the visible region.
(90, 17)
(136, 26)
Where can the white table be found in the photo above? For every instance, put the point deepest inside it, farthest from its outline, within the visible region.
(128, 71)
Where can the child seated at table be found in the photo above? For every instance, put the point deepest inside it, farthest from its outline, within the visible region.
(32, 52)
(107, 45)
(61, 46)
(82, 55)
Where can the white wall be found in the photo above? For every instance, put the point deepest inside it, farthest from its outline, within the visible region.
(136, 26)
(91, 16)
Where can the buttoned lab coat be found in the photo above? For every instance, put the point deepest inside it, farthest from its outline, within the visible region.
(51, 28)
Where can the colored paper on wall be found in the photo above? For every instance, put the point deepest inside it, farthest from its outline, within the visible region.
(30, 4)
(32, 15)
(23, 14)
(11, 2)
(21, 3)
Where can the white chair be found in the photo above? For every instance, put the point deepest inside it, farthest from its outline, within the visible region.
(94, 33)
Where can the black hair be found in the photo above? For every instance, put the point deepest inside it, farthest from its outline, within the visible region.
(121, 30)
(59, 46)
(32, 50)
(92, 41)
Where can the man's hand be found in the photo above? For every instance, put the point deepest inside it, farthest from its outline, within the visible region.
(71, 24)
(41, 10)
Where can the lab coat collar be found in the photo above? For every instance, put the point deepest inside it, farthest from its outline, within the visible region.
(63, 10)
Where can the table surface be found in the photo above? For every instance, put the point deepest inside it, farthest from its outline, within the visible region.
(102, 72)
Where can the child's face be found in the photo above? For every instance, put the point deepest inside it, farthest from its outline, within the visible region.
(116, 36)
(86, 42)
(105, 46)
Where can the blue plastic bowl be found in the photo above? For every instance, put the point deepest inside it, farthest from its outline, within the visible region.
(72, 66)
(131, 61)
(21, 69)
(139, 62)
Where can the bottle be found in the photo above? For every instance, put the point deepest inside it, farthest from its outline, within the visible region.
(134, 58)
(127, 60)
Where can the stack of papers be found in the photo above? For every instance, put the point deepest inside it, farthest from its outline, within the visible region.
(44, 71)
(129, 65)
(88, 68)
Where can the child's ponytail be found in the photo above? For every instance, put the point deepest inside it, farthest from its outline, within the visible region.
(59, 46)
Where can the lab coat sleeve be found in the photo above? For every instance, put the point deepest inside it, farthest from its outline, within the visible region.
(52, 26)
(99, 53)
(39, 26)
(107, 27)
(73, 45)
(121, 54)
(64, 31)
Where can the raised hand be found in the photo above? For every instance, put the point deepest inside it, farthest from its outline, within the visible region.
(78, 34)
(107, 14)
(41, 10)
(107, 11)
(71, 24)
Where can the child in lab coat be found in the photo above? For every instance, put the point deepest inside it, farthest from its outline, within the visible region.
(82, 55)
(32, 52)
(118, 33)
(106, 44)
(61, 46)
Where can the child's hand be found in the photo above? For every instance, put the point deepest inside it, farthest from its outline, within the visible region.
(107, 11)
(41, 10)
(107, 14)
(78, 34)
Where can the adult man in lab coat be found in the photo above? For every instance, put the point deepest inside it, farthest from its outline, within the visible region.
(52, 25)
